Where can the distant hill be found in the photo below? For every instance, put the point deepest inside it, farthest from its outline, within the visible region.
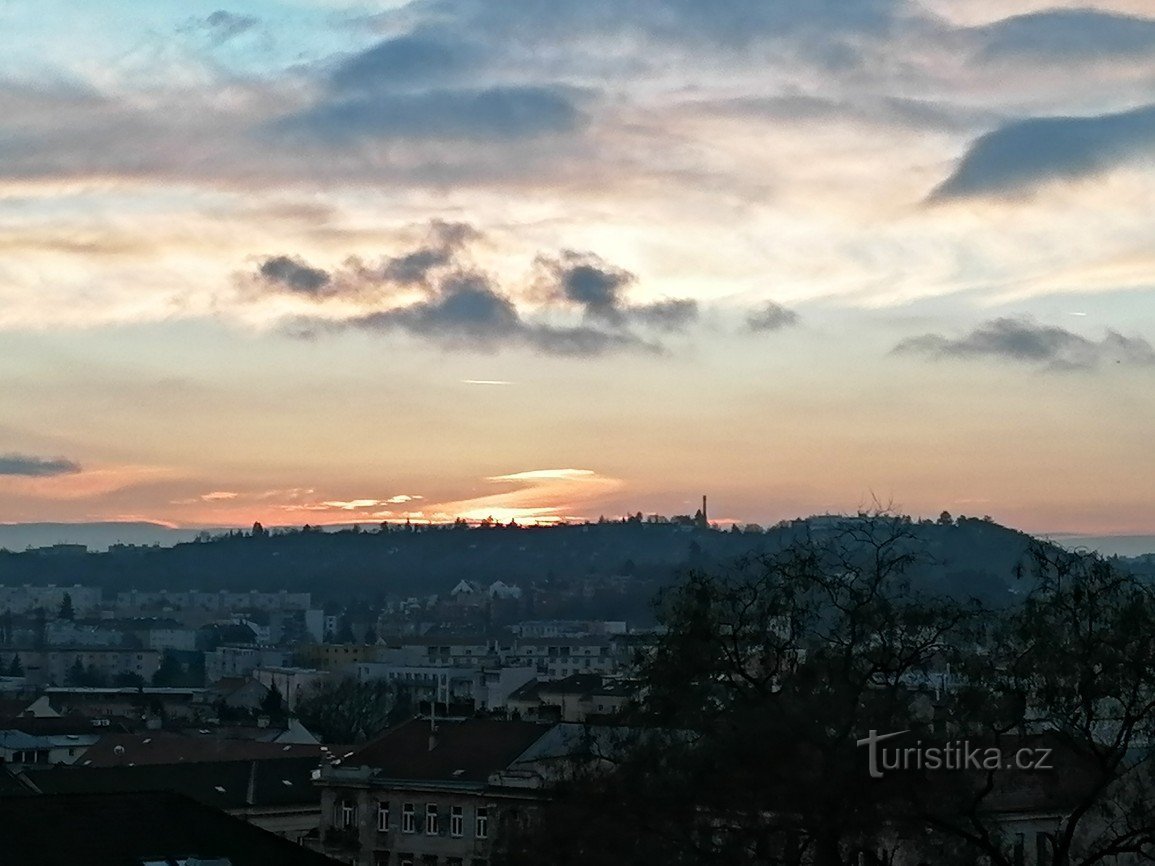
(95, 536)
(967, 558)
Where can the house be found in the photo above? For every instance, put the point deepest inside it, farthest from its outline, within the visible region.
(293, 683)
(131, 829)
(427, 793)
(576, 698)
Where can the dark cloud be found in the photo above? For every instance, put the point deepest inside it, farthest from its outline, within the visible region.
(496, 113)
(727, 24)
(400, 61)
(467, 311)
(1062, 36)
(463, 308)
(1025, 341)
(586, 281)
(771, 317)
(1022, 156)
(673, 314)
(294, 275)
(223, 25)
(440, 253)
(444, 242)
(36, 467)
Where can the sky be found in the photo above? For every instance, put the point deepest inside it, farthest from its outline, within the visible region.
(310, 261)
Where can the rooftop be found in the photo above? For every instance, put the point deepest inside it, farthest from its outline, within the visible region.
(135, 829)
(464, 751)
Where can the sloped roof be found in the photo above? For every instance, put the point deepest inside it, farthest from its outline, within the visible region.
(128, 829)
(225, 785)
(163, 747)
(465, 751)
(11, 786)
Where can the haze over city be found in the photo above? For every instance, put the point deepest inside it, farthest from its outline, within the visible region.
(324, 262)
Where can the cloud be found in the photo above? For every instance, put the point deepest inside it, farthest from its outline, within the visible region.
(497, 113)
(1027, 154)
(294, 275)
(224, 25)
(440, 251)
(771, 317)
(541, 495)
(36, 467)
(584, 280)
(400, 61)
(1024, 341)
(461, 307)
(466, 311)
(1063, 36)
(445, 240)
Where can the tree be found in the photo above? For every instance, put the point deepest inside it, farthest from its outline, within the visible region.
(350, 712)
(259, 531)
(945, 519)
(66, 611)
(371, 635)
(273, 703)
(755, 696)
(16, 669)
(75, 675)
(1075, 663)
(345, 632)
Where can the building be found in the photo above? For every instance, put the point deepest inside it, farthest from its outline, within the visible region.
(421, 795)
(294, 684)
(27, 598)
(241, 661)
(51, 666)
(556, 658)
(576, 698)
(335, 656)
(221, 602)
(95, 702)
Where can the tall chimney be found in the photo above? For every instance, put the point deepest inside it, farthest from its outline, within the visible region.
(705, 517)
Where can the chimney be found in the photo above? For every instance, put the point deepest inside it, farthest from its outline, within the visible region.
(251, 791)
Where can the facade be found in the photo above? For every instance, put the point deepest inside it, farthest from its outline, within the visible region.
(335, 656)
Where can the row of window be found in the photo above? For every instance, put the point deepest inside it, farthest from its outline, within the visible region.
(346, 817)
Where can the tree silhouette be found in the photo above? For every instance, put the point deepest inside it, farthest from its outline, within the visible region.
(66, 611)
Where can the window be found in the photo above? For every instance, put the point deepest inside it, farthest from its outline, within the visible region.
(481, 826)
(408, 819)
(431, 819)
(383, 816)
(456, 821)
(345, 813)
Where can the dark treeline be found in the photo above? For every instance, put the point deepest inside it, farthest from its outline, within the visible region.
(966, 556)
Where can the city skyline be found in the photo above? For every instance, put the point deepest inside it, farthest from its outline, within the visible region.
(309, 261)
